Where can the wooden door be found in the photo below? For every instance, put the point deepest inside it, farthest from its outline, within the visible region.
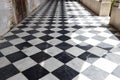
(21, 10)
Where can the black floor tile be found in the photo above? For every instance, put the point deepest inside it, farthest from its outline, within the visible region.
(77, 27)
(48, 31)
(7, 72)
(87, 55)
(63, 38)
(49, 27)
(65, 73)
(21, 27)
(27, 38)
(16, 56)
(84, 47)
(23, 45)
(11, 37)
(1, 55)
(64, 46)
(35, 73)
(63, 32)
(43, 46)
(41, 56)
(5, 45)
(32, 31)
(17, 31)
(64, 57)
(46, 38)
(63, 27)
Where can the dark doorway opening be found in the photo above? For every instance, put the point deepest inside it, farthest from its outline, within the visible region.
(20, 9)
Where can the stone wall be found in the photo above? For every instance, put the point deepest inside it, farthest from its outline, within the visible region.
(8, 14)
(4, 16)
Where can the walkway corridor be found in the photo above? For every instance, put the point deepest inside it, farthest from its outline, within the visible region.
(61, 41)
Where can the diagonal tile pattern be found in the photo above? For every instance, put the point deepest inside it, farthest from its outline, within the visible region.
(61, 41)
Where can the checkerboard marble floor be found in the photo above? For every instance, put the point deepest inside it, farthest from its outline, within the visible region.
(61, 41)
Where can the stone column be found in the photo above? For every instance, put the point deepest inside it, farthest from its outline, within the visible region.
(105, 7)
